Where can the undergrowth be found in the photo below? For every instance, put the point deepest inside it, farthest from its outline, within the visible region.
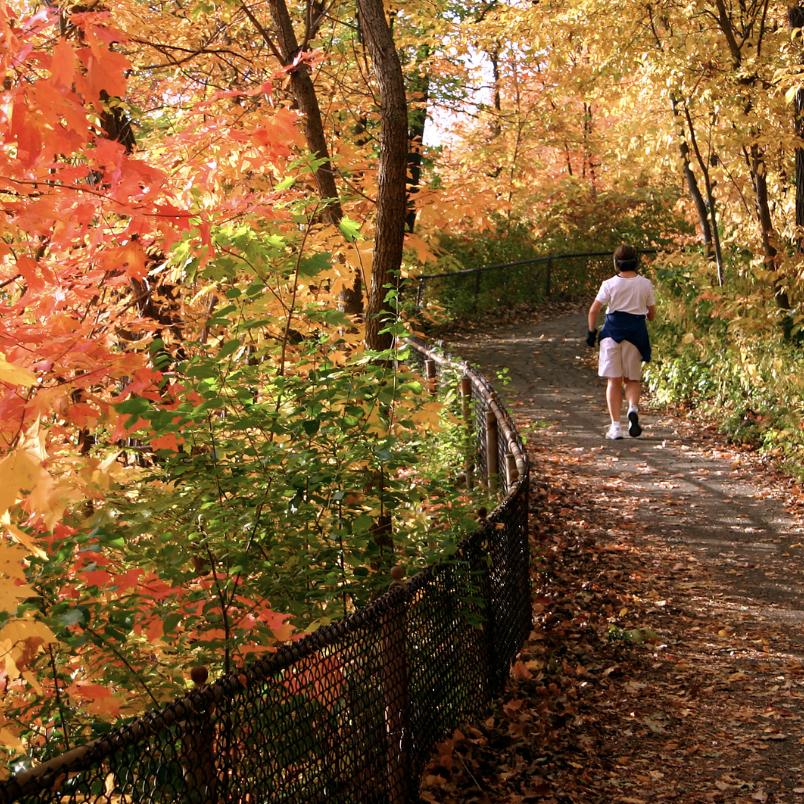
(731, 353)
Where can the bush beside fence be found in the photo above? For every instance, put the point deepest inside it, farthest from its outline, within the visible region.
(350, 713)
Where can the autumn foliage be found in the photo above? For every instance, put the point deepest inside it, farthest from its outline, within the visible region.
(196, 448)
(201, 257)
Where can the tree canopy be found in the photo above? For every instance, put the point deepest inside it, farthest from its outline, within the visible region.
(209, 211)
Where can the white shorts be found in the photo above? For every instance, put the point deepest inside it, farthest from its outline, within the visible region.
(619, 360)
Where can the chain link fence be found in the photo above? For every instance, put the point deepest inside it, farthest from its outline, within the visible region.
(475, 290)
(350, 713)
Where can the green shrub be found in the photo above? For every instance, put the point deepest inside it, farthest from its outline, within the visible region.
(729, 352)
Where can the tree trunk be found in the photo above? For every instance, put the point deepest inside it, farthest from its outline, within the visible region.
(589, 160)
(710, 197)
(767, 232)
(692, 183)
(350, 300)
(795, 18)
(391, 192)
(494, 58)
(419, 91)
(306, 98)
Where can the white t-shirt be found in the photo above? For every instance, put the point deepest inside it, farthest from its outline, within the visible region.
(632, 295)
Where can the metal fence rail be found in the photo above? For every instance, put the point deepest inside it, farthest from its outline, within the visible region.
(525, 282)
(350, 713)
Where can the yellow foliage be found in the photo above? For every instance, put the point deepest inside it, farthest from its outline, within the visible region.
(13, 588)
(20, 536)
(22, 630)
(14, 375)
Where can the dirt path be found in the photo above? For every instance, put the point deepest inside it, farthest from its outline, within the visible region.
(667, 659)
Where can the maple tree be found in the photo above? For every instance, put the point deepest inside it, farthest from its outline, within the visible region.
(188, 402)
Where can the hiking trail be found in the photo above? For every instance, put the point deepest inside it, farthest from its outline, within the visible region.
(667, 657)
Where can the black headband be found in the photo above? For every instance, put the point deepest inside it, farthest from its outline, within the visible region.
(631, 261)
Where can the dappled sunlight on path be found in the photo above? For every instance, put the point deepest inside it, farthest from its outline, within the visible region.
(667, 657)
(681, 481)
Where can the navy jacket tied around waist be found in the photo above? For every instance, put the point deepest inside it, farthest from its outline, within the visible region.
(628, 327)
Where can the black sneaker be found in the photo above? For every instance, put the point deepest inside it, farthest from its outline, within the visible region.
(634, 429)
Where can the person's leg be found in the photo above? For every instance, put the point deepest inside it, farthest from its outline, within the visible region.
(610, 366)
(614, 398)
(632, 373)
(633, 388)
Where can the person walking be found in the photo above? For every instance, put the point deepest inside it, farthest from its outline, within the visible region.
(624, 340)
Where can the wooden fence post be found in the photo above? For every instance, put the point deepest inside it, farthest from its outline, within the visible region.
(430, 375)
(198, 748)
(511, 470)
(395, 692)
(492, 463)
(468, 422)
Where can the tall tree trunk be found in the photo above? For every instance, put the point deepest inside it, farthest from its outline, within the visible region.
(710, 196)
(767, 231)
(588, 155)
(494, 58)
(307, 100)
(350, 299)
(417, 118)
(692, 183)
(391, 192)
(795, 18)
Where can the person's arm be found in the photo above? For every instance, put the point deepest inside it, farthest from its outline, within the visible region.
(594, 311)
(651, 312)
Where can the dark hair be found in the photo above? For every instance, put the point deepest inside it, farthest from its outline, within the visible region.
(626, 258)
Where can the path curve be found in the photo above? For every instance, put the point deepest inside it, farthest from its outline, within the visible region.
(673, 530)
(677, 481)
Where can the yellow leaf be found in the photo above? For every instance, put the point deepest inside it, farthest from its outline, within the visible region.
(423, 252)
(26, 627)
(106, 470)
(11, 570)
(14, 375)
(360, 256)
(22, 537)
(17, 470)
(10, 739)
(428, 415)
(11, 594)
(33, 681)
(49, 499)
(11, 557)
(33, 441)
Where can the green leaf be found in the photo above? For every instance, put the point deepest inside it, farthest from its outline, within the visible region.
(71, 617)
(136, 405)
(312, 266)
(349, 228)
(229, 348)
(311, 426)
(170, 623)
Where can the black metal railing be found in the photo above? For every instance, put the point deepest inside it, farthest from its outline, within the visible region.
(467, 292)
(350, 713)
